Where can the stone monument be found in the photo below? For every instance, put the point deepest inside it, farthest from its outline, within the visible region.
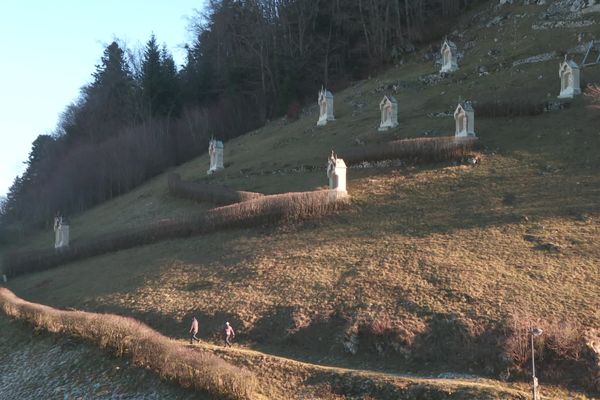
(569, 74)
(61, 233)
(449, 57)
(325, 107)
(465, 120)
(336, 172)
(215, 151)
(389, 113)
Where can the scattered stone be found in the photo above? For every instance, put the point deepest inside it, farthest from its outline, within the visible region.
(351, 343)
(536, 59)
(532, 238)
(493, 53)
(592, 342)
(443, 114)
(496, 21)
(432, 79)
(549, 247)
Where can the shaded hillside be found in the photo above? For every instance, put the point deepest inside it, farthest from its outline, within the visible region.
(428, 266)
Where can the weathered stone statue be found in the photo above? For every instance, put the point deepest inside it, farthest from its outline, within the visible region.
(215, 151)
(336, 172)
(389, 113)
(569, 74)
(449, 57)
(465, 120)
(61, 232)
(325, 107)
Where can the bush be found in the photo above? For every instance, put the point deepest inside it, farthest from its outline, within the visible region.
(418, 150)
(561, 349)
(264, 209)
(146, 347)
(510, 108)
(202, 192)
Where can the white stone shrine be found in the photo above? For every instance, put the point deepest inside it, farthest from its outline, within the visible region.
(389, 113)
(61, 233)
(465, 120)
(336, 172)
(325, 107)
(449, 57)
(215, 151)
(569, 74)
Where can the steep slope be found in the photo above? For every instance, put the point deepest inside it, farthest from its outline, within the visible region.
(430, 261)
(40, 366)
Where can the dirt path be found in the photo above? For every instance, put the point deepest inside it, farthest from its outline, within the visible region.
(285, 376)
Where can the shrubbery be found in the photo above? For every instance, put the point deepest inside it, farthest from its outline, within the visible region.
(146, 347)
(415, 150)
(264, 209)
(510, 108)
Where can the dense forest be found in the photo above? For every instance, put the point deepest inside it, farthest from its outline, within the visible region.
(251, 60)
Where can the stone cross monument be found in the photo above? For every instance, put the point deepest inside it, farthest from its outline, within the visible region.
(569, 74)
(449, 57)
(465, 120)
(215, 151)
(389, 113)
(325, 107)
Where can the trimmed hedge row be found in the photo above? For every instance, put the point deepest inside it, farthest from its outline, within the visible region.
(202, 192)
(146, 347)
(264, 209)
(434, 149)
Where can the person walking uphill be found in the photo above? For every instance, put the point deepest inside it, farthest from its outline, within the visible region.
(194, 331)
(229, 334)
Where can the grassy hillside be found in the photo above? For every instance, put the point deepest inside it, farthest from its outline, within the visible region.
(433, 253)
(37, 365)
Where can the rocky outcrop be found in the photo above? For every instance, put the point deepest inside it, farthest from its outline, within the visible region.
(592, 342)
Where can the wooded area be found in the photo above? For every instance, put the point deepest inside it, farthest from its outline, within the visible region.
(251, 60)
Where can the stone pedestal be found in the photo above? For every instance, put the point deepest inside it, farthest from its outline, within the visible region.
(465, 120)
(449, 57)
(325, 107)
(215, 151)
(389, 113)
(569, 74)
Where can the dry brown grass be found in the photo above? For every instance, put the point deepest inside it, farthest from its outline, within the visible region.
(260, 210)
(146, 347)
(420, 150)
(510, 107)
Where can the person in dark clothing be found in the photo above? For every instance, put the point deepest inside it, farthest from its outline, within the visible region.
(194, 331)
(229, 334)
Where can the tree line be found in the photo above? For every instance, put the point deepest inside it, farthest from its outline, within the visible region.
(251, 60)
